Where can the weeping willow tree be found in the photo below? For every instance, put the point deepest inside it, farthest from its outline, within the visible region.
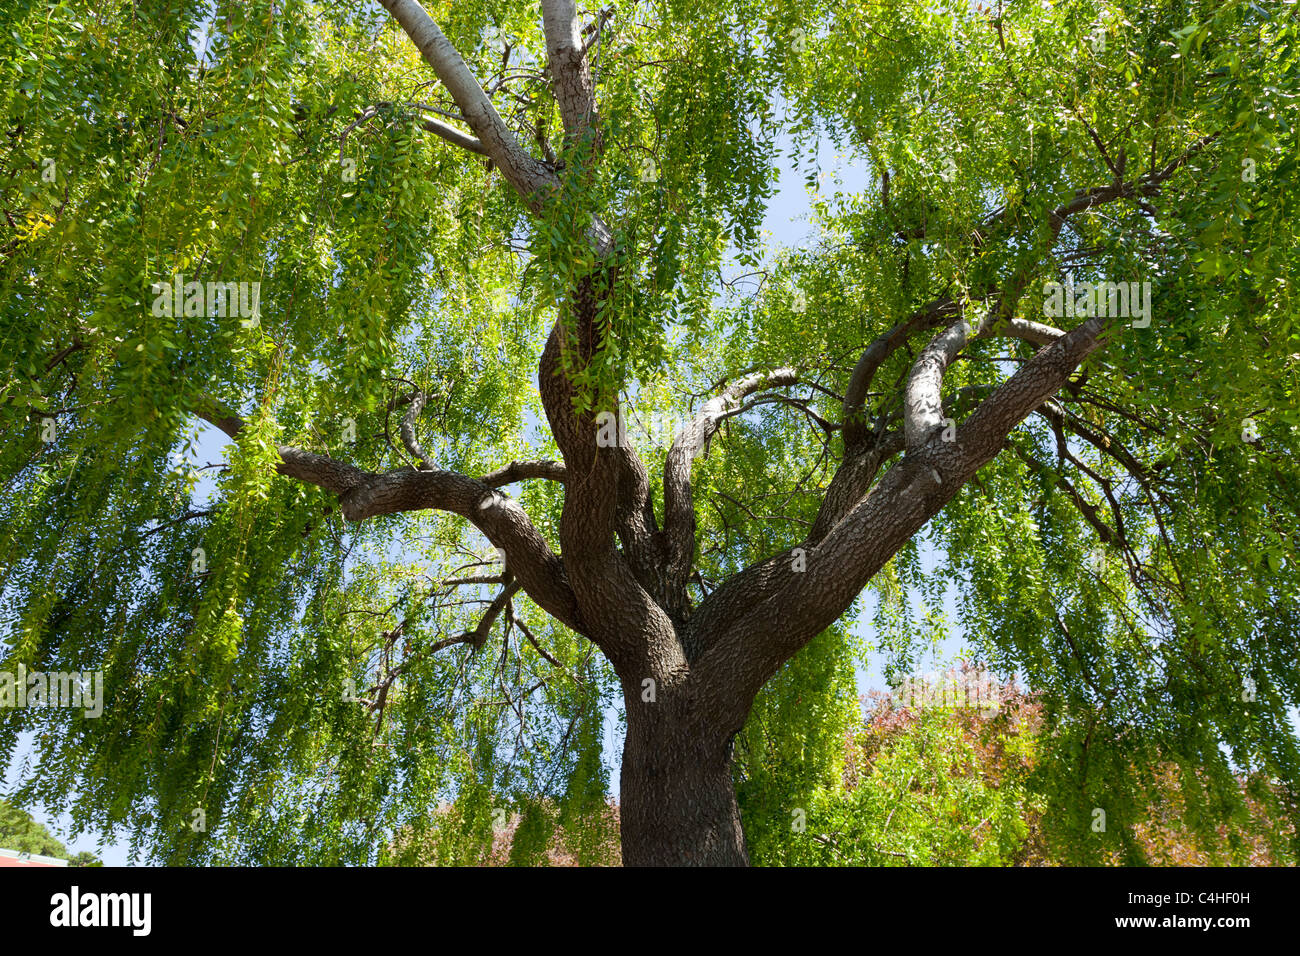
(390, 392)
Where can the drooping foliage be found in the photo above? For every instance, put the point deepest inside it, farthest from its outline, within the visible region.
(282, 686)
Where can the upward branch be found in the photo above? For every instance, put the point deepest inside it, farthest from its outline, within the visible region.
(679, 504)
(574, 90)
(944, 309)
(530, 177)
(606, 491)
(859, 526)
(797, 604)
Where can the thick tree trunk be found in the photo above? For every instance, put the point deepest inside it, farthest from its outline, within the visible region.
(677, 801)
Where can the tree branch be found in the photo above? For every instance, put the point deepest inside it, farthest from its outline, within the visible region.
(679, 505)
(855, 426)
(922, 407)
(754, 645)
(454, 136)
(529, 176)
(574, 90)
(936, 312)
(478, 637)
(407, 430)
(363, 494)
(523, 470)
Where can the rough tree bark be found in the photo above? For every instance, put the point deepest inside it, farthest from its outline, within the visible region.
(677, 804)
(690, 674)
